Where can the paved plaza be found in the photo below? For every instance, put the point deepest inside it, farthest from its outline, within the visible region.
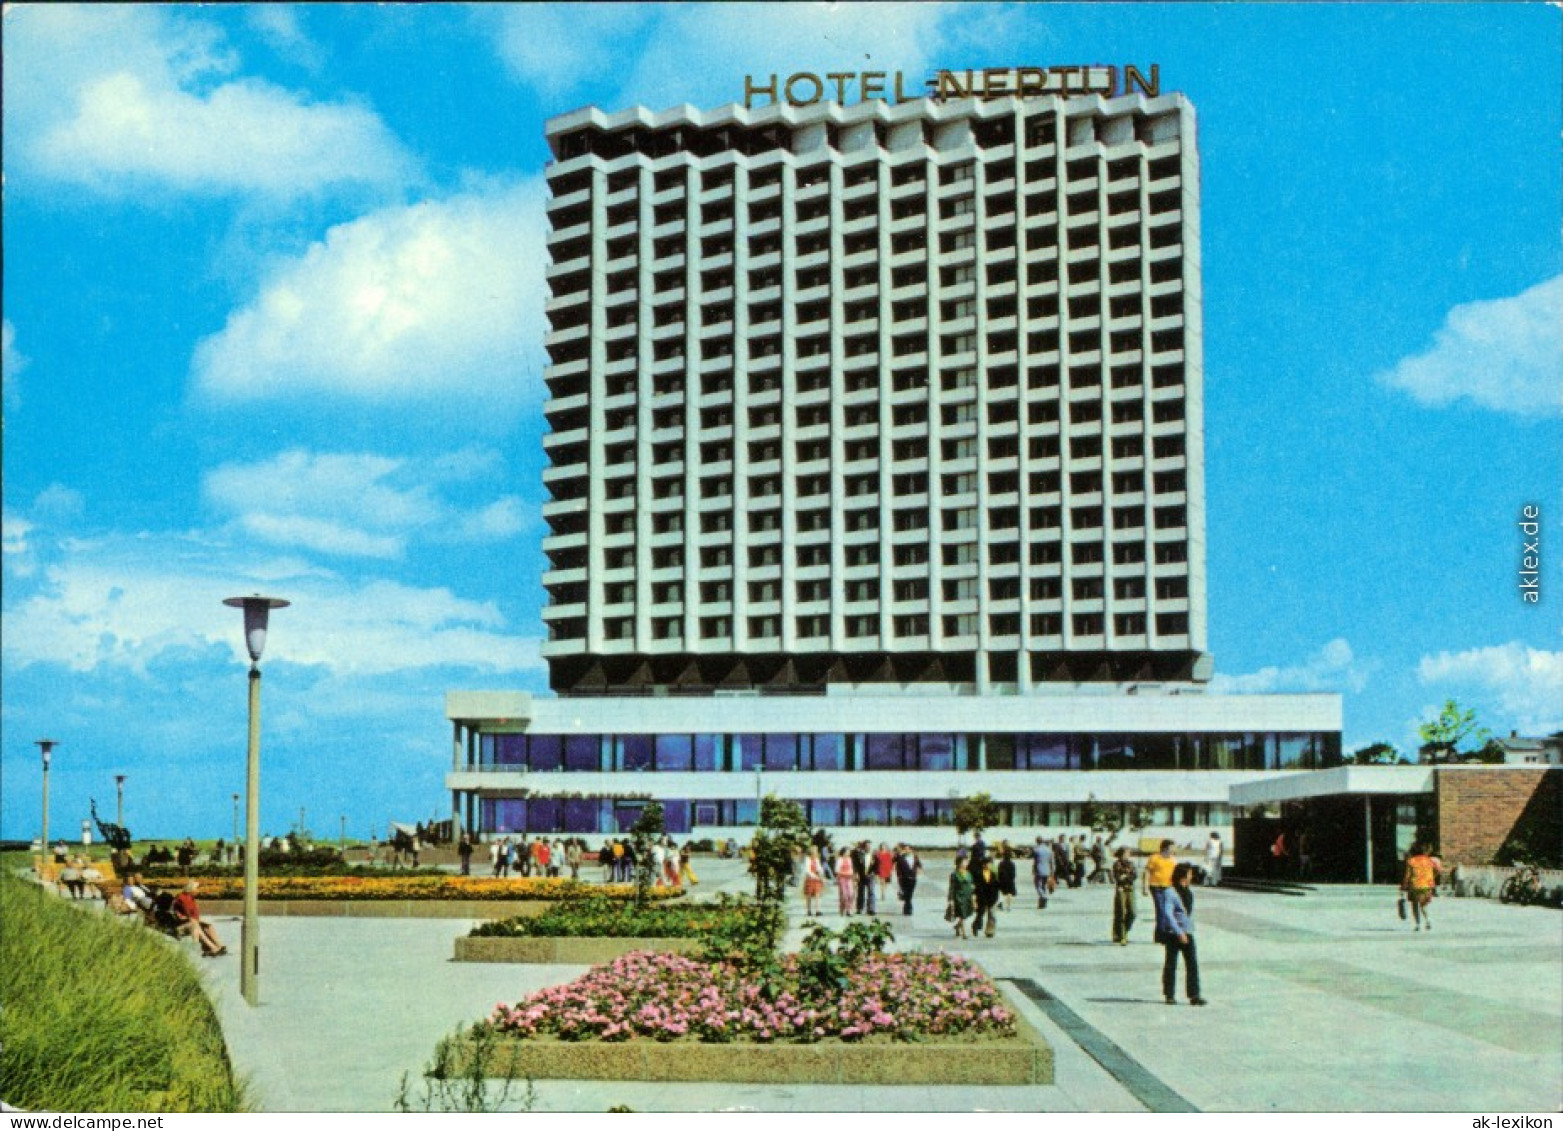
(1325, 1002)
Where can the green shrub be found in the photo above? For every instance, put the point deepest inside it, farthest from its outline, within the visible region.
(102, 1015)
(620, 919)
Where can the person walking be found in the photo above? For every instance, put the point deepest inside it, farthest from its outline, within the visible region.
(1215, 852)
(1042, 871)
(907, 867)
(985, 888)
(960, 901)
(1157, 876)
(846, 883)
(1123, 876)
(1175, 931)
(686, 865)
(573, 850)
(813, 883)
(464, 851)
(1061, 864)
(1006, 875)
(1418, 883)
(1098, 862)
(1077, 861)
(862, 871)
(884, 869)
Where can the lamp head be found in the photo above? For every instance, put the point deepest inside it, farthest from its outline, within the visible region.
(47, 745)
(256, 610)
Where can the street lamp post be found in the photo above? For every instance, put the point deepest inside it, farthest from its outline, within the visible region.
(342, 839)
(236, 822)
(119, 800)
(46, 745)
(256, 610)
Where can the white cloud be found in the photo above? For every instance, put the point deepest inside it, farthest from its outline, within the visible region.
(278, 25)
(700, 53)
(359, 505)
(1332, 668)
(1505, 354)
(120, 97)
(12, 362)
(555, 48)
(1526, 684)
(438, 301)
(124, 601)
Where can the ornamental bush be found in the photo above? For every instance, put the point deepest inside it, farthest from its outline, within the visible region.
(618, 919)
(388, 886)
(668, 997)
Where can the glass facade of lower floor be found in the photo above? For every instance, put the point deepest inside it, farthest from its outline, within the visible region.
(607, 816)
(683, 753)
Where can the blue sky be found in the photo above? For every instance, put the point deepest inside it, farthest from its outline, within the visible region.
(272, 321)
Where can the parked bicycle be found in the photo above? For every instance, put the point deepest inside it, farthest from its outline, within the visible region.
(1523, 887)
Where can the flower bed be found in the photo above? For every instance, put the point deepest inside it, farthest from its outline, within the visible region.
(668, 997)
(417, 887)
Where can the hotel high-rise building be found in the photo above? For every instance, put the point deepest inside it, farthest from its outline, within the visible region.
(882, 394)
(875, 444)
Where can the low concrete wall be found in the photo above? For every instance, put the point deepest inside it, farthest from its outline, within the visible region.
(571, 950)
(1484, 881)
(387, 908)
(1023, 1060)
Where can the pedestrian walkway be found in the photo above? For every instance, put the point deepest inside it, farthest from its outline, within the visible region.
(1321, 1003)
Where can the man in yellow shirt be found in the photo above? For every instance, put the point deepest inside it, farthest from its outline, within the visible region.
(1158, 871)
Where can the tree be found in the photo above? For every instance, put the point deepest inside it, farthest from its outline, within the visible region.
(1113, 819)
(646, 831)
(1441, 737)
(975, 813)
(1376, 754)
(783, 831)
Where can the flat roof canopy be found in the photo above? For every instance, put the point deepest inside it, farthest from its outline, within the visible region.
(1361, 781)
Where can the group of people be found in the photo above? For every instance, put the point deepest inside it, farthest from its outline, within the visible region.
(982, 883)
(80, 878)
(672, 865)
(537, 856)
(178, 915)
(862, 876)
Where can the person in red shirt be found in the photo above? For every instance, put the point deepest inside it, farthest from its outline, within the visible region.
(884, 868)
(187, 914)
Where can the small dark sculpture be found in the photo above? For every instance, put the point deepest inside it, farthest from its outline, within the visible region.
(116, 836)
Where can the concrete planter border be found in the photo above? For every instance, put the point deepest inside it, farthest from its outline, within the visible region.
(387, 908)
(564, 950)
(1023, 1060)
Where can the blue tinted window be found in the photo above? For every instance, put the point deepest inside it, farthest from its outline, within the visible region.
(1042, 752)
(583, 752)
(674, 752)
(625, 814)
(830, 751)
(824, 812)
(582, 815)
(905, 812)
(751, 750)
(1115, 752)
(543, 814)
(935, 752)
(708, 751)
(486, 750)
(675, 816)
(883, 752)
(781, 752)
(999, 750)
(872, 812)
(547, 752)
(510, 749)
(637, 750)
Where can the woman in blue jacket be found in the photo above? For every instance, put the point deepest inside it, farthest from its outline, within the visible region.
(1175, 932)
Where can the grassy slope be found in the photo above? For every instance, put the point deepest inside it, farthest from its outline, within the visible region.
(102, 1016)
